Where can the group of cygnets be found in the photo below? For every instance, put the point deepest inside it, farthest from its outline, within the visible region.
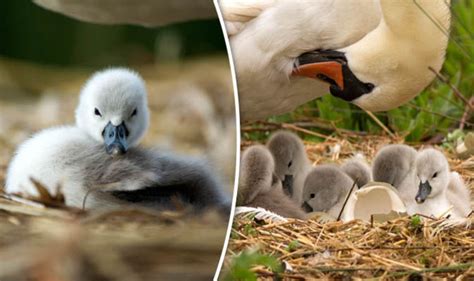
(279, 177)
(97, 162)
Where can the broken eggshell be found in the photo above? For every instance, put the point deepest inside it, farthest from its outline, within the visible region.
(374, 198)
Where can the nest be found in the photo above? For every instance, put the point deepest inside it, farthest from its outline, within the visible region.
(40, 242)
(400, 248)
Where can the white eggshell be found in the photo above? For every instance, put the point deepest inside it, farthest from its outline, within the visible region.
(373, 198)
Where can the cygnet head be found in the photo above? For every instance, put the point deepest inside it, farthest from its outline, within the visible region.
(432, 170)
(324, 187)
(113, 109)
(289, 154)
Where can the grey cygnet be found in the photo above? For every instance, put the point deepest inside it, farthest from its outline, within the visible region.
(291, 162)
(258, 187)
(325, 190)
(395, 164)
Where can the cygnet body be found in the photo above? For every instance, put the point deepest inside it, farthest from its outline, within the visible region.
(439, 191)
(395, 164)
(325, 189)
(99, 154)
(258, 187)
(291, 162)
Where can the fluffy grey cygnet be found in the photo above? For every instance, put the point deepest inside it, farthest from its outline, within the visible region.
(325, 189)
(395, 164)
(99, 155)
(358, 170)
(258, 187)
(291, 162)
(439, 191)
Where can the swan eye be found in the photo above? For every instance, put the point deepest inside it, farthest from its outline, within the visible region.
(134, 112)
(312, 195)
(435, 174)
(289, 164)
(97, 112)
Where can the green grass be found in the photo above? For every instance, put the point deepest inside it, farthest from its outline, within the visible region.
(440, 111)
(240, 268)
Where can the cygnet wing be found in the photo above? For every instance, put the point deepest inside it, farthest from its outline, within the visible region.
(459, 195)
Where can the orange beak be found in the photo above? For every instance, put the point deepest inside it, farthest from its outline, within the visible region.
(329, 69)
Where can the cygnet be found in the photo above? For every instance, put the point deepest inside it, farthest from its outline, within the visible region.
(258, 187)
(291, 162)
(395, 164)
(439, 191)
(99, 155)
(325, 189)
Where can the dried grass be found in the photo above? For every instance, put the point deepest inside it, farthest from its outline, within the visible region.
(395, 249)
(43, 243)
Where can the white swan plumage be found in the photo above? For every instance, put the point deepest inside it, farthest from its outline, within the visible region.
(384, 47)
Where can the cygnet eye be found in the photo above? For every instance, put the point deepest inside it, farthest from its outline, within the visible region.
(312, 195)
(289, 164)
(134, 112)
(435, 174)
(97, 112)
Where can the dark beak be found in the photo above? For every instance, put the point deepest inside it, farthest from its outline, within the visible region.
(331, 67)
(424, 189)
(288, 185)
(306, 207)
(115, 138)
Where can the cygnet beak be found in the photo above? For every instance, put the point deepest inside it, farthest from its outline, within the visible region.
(331, 67)
(115, 139)
(306, 207)
(424, 190)
(288, 185)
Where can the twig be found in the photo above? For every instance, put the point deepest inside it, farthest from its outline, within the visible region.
(266, 273)
(455, 90)
(296, 128)
(347, 198)
(22, 200)
(270, 126)
(84, 200)
(387, 130)
(466, 115)
(441, 269)
(345, 269)
(442, 29)
(436, 113)
(383, 248)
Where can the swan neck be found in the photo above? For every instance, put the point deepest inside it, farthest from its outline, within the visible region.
(416, 18)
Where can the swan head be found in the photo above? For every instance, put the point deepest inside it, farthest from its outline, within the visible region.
(113, 109)
(391, 64)
(432, 170)
(289, 155)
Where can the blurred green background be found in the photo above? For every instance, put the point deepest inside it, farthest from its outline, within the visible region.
(430, 117)
(29, 32)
